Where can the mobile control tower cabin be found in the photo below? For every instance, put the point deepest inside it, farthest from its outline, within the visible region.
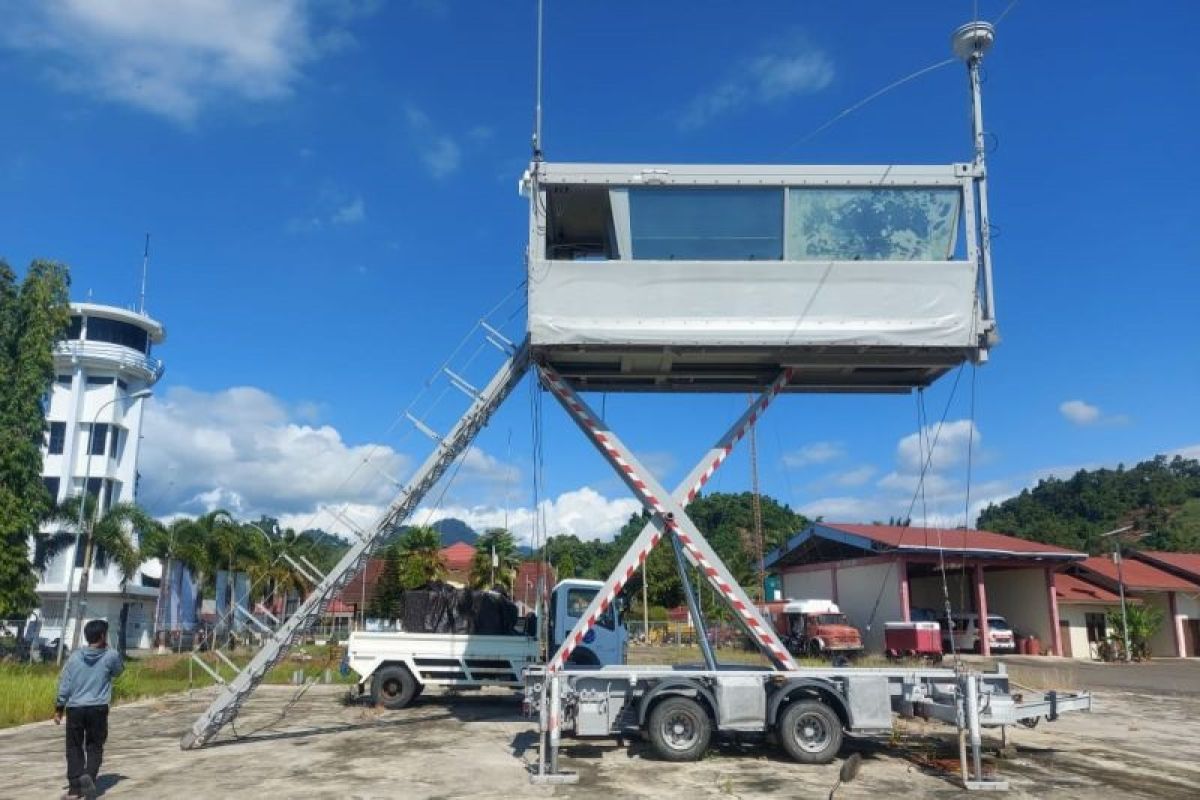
(667, 277)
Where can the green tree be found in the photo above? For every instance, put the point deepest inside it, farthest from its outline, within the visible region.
(1144, 621)
(32, 319)
(112, 536)
(420, 558)
(501, 542)
(386, 602)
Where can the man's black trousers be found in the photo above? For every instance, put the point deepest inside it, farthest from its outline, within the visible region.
(87, 729)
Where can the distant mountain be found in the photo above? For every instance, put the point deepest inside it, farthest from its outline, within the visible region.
(454, 530)
(1160, 497)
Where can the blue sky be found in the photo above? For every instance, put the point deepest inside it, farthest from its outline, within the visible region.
(331, 191)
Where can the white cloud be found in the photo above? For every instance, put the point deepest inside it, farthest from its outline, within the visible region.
(767, 78)
(244, 450)
(583, 512)
(815, 453)
(949, 443)
(174, 58)
(439, 152)
(1079, 412)
(853, 477)
(353, 212)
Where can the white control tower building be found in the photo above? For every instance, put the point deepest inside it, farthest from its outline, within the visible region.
(95, 429)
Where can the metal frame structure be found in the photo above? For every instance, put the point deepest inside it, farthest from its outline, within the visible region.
(232, 695)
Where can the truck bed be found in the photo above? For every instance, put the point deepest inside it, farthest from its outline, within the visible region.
(444, 658)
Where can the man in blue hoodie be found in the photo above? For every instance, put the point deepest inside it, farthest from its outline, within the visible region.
(84, 692)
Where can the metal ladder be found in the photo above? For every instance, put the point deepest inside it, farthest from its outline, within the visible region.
(232, 695)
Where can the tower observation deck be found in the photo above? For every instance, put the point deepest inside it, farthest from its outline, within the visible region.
(703, 277)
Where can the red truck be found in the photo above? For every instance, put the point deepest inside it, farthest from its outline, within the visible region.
(813, 627)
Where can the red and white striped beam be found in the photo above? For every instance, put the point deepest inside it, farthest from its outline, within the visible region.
(668, 516)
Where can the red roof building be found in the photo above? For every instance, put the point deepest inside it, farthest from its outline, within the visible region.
(526, 582)
(1071, 589)
(883, 573)
(1186, 565)
(458, 558)
(1163, 587)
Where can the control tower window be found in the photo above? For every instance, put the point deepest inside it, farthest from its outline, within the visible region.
(579, 224)
(890, 224)
(114, 331)
(75, 328)
(706, 223)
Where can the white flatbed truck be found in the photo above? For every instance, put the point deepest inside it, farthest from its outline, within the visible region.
(395, 667)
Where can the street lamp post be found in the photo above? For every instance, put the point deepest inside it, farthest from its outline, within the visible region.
(87, 469)
(1120, 584)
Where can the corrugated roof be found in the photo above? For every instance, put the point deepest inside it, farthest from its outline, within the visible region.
(1138, 575)
(957, 539)
(1184, 562)
(1073, 589)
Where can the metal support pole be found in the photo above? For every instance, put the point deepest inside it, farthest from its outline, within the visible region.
(973, 725)
(1121, 588)
(710, 660)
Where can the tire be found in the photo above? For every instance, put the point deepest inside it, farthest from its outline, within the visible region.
(679, 729)
(810, 732)
(814, 648)
(394, 687)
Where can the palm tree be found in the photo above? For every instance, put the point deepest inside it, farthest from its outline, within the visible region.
(182, 542)
(501, 542)
(112, 535)
(421, 561)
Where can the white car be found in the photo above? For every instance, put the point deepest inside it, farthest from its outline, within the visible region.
(966, 634)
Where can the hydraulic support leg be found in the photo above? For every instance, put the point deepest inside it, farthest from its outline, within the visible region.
(231, 696)
(668, 517)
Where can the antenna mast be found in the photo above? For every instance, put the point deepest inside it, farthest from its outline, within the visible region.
(537, 111)
(145, 267)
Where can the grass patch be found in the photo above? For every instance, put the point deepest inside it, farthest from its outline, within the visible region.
(27, 690)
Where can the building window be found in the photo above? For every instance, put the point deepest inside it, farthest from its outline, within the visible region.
(58, 438)
(75, 328)
(124, 387)
(1097, 627)
(99, 380)
(63, 380)
(52, 485)
(100, 329)
(99, 439)
(706, 224)
(890, 224)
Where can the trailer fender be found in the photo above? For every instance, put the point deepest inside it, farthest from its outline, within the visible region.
(817, 688)
(681, 688)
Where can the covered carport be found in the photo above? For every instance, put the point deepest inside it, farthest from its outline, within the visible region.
(884, 573)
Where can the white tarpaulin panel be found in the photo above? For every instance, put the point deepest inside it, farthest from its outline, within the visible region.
(747, 303)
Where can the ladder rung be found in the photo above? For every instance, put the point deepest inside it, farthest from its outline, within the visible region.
(498, 339)
(461, 384)
(216, 676)
(255, 620)
(303, 572)
(423, 428)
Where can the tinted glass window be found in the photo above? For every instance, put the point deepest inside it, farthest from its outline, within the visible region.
(58, 437)
(892, 224)
(51, 485)
(99, 439)
(99, 381)
(64, 380)
(706, 223)
(117, 332)
(75, 327)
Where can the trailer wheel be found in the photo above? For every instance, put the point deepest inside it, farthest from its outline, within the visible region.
(394, 687)
(679, 729)
(810, 732)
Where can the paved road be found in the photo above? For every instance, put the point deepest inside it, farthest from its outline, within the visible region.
(1166, 676)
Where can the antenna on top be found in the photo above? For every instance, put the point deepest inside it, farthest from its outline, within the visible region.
(145, 266)
(537, 111)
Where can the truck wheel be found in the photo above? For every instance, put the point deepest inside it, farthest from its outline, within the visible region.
(394, 687)
(810, 732)
(679, 729)
(814, 648)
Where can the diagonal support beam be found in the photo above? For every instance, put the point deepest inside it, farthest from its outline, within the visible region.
(669, 517)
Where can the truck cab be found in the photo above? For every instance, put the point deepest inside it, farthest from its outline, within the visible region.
(814, 628)
(607, 641)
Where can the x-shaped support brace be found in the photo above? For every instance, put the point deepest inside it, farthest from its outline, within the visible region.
(668, 516)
